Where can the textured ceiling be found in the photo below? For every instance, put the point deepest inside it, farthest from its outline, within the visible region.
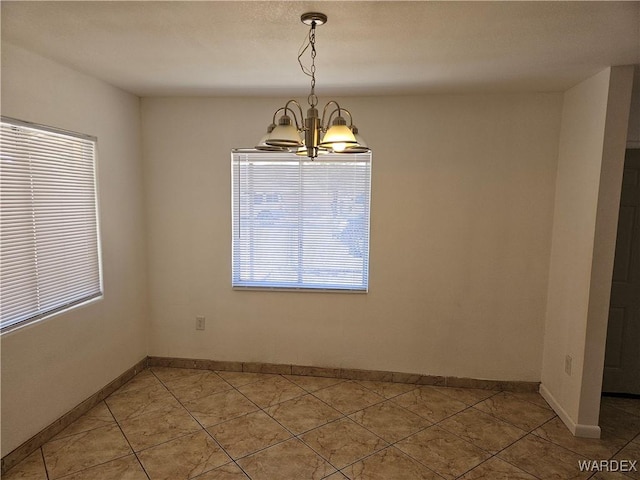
(250, 48)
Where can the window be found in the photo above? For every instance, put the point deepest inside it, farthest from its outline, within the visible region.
(301, 224)
(49, 245)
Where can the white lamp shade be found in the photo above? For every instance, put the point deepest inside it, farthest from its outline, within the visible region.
(284, 136)
(338, 137)
(262, 145)
(360, 147)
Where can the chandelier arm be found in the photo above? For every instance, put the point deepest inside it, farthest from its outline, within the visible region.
(331, 114)
(344, 110)
(324, 112)
(295, 117)
(275, 114)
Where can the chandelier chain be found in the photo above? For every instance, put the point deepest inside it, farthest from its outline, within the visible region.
(313, 99)
(310, 42)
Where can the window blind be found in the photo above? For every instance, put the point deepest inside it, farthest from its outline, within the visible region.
(49, 245)
(301, 224)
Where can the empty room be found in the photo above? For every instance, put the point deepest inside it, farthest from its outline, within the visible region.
(294, 240)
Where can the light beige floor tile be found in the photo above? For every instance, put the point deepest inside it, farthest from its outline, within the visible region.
(248, 434)
(335, 476)
(444, 453)
(124, 468)
(389, 464)
(155, 422)
(343, 442)
(387, 389)
(482, 429)
(98, 416)
(31, 468)
(610, 476)
(348, 397)
(496, 469)
(183, 458)
(593, 448)
(535, 398)
(141, 380)
(238, 379)
(140, 401)
(168, 375)
(303, 413)
(83, 450)
(468, 396)
(390, 421)
(429, 403)
(544, 459)
(630, 453)
(301, 463)
(229, 471)
(220, 407)
(197, 386)
(272, 391)
(158, 426)
(522, 414)
(311, 384)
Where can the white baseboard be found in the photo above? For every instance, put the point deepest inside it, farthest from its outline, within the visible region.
(587, 431)
(578, 430)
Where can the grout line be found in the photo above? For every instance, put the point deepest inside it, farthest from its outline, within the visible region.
(128, 442)
(44, 463)
(85, 432)
(161, 443)
(46, 434)
(234, 460)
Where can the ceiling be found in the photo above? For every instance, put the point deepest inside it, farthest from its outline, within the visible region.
(378, 47)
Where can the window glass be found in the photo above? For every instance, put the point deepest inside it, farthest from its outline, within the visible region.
(299, 223)
(49, 245)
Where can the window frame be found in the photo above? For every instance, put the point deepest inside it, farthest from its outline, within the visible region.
(283, 286)
(94, 259)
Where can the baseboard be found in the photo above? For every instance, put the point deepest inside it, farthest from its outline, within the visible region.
(587, 431)
(39, 439)
(578, 430)
(346, 373)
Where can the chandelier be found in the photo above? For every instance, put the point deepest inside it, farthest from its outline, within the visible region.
(312, 135)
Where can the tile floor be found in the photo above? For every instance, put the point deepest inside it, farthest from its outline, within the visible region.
(170, 423)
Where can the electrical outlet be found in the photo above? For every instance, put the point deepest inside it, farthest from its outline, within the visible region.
(199, 323)
(567, 364)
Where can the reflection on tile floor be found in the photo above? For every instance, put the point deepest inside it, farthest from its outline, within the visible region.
(171, 423)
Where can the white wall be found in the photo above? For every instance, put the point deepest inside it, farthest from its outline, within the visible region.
(462, 202)
(50, 367)
(591, 157)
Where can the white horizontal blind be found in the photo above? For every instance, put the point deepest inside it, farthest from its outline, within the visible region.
(299, 223)
(49, 246)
